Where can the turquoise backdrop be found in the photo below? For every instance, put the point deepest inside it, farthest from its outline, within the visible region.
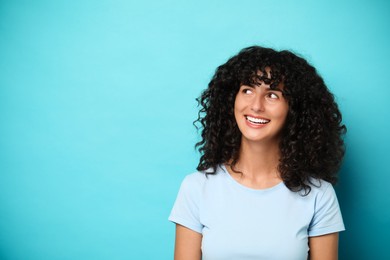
(97, 100)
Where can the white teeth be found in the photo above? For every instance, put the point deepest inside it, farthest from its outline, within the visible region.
(257, 120)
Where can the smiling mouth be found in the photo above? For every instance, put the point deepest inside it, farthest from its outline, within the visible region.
(258, 121)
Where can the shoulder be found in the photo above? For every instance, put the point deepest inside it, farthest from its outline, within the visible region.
(188, 205)
(322, 188)
(327, 216)
(318, 187)
(198, 183)
(185, 210)
(200, 178)
(193, 182)
(321, 193)
(195, 178)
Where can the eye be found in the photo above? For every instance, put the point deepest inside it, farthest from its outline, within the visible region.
(247, 91)
(273, 95)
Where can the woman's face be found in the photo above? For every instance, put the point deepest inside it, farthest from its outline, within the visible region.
(260, 112)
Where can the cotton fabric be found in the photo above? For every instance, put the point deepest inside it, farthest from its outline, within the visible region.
(238, 222)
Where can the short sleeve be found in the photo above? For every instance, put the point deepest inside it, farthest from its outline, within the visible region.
(185, 210)
(327, 216)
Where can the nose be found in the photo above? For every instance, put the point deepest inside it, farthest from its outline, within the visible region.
(257, 104)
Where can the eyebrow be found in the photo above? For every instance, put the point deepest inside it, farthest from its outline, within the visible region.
(266, 89)
(274, 89)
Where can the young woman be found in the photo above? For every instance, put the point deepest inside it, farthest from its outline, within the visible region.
(270, 151)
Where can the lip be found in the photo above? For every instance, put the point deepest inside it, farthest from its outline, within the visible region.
(256, 125)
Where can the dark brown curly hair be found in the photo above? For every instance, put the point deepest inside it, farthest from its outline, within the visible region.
(312, 143)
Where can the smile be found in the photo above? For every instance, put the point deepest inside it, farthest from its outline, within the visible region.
(255, 120)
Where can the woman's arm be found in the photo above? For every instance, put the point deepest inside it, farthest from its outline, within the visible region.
(187, 244)
(324, 247)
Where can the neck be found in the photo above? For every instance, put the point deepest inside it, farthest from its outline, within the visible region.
(258, 161)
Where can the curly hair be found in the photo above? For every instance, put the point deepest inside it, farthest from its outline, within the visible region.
(311, 143)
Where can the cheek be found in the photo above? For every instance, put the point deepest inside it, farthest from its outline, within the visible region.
(282, 112)
(236, 102)
(285, 113)
(238, 112)
(235, 113)
(236, 106)
(239, 103)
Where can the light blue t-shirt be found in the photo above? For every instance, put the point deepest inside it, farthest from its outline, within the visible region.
(241, 223)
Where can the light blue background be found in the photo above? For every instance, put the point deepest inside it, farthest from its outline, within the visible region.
(97, 100)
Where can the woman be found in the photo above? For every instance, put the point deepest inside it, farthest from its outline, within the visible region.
(271, 148)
